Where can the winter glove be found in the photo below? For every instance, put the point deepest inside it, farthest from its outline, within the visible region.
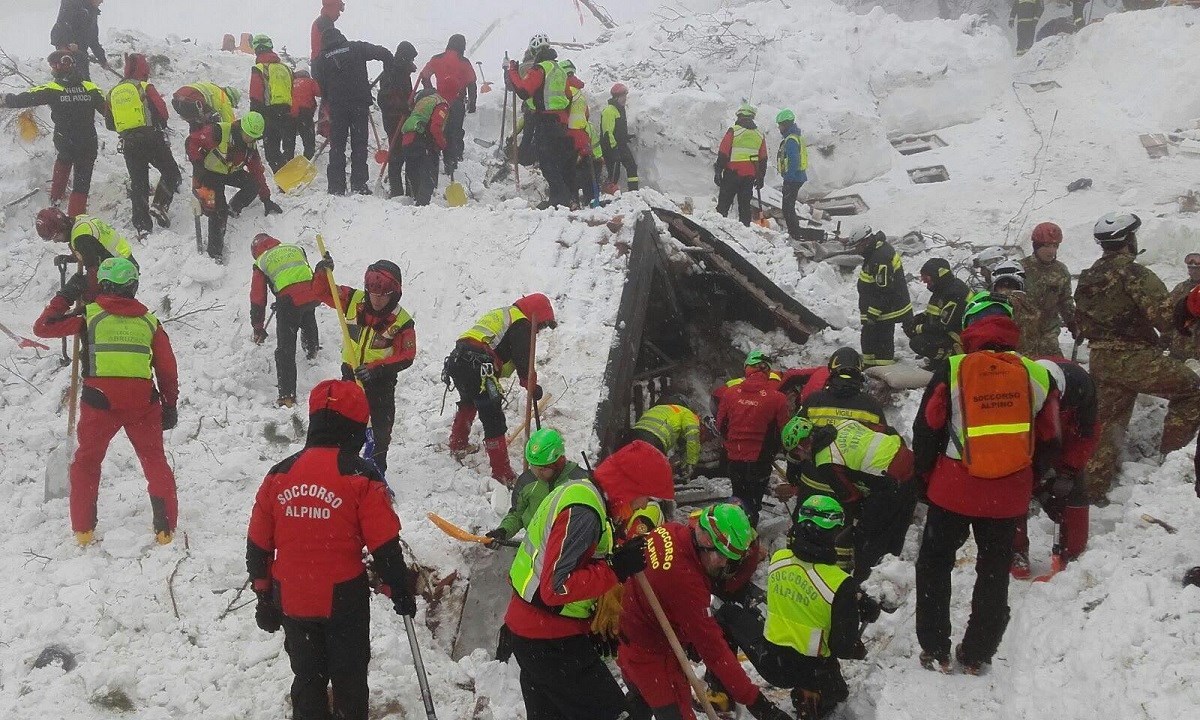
(325, 264)
(366, 374)
(605, 646)
(270, 207)
(868, 608)
(629, 559)
(764, 709)
(267, 614)
(260, 334)
(170, 417)
(499, 535)
(64, 261)
(606, 620)
(74, 288)
(758, 184)
(403, 599)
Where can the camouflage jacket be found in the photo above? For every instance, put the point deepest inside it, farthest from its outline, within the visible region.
(1120, 304)
(1182, 347)
(1047, 296)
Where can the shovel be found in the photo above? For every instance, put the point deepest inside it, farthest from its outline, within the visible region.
(23, 342)
(455, 195)
(763, 220)
(299, 171)
(27, 126)
(485, 86)
(381, 153)
(58, 465)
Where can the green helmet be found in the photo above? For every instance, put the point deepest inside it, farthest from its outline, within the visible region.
(822, 511)
(984, 304)
(757, 357)
(234, 95)
(785, 116)
(261, 42)
(729, 529)
(747, 110)
(253, 125)
(545, 447)
(796, 431)
(118, 271)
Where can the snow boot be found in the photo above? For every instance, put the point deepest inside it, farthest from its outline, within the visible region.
(940, 663)
(716, 693)
(286, 401)
(161, 214)
(1074, 530)
(77, 205)
(1020, 565)
(216, 236)
(164, 537)
(970, 667)
(58, 182)
(461, 429)
(362, 190)
(497, 451)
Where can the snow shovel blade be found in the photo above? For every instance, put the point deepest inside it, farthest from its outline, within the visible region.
(458, 533)
(382, 155)
(27, 126)
(295, 173)
(456, 196)
(58, 465)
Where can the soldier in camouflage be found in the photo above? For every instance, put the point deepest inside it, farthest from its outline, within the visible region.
(1181, 346)
(1119, 306)
(1047, 300)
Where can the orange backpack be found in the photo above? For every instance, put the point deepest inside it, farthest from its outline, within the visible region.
(997, 411)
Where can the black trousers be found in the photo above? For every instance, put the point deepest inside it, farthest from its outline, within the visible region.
(78, 159)
(639, 710)
(336, 651)
(396, 159)
(880, 527)
(932, 345)
(277, 131)
(455, 136)
(217, 219)
(1026, 32)
(566, 679)
(348, 122)
(620, 156)
(750, 481)
(305, 127)
(145, 148)
(790, 191)
(464, 367)
(735, 186)
(290, 321)
(878, 342)
(945, 533)
(381, 399)
(554, 152)
(421, 167)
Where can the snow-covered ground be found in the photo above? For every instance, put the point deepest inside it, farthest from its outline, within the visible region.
(1114, 636)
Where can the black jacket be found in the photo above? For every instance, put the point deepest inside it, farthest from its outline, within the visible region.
(882, 287)
(844, 638)
(341, 69)
(944, 313)
(395, 91)
(77, 24)
(74, 104)
(840, 400)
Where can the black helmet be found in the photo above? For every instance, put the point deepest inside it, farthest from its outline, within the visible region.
(935, 268)
(457, 42)
(405, 51)
(845, 361)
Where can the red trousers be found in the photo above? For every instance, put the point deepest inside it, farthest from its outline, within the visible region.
(96, 429)
(658, 679)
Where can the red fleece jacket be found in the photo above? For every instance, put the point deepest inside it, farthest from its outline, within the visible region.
(404, 344)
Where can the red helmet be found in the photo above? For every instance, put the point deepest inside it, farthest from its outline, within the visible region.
(619, 89)
(537, 307)
(1047, 233)
(383, 278)
(137, 67)
(52, 224)
(261, 243)
(342, 397)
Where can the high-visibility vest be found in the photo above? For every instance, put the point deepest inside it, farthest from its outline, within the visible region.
(608, 123)
(217, 159)
(800, 603)
(277, 83)
(490, 330)
(118, 345)
(112, 241)
(746, 144)
(527, 568)
(422, 113)
(284, 266)
(993, 406)
(366, 343)
(734, 382)
(554, 88)
(594, 138)
(856, 447)
(127, 102)
(670, 424)
(782, 159)
(216, 99)
(578, 117)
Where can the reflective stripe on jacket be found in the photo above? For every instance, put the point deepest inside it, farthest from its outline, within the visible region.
(800, 603)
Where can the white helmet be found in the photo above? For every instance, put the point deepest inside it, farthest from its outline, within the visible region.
(1115, 227)
(990, 257)
(859, 235)
(539, 41)
(1008, 272)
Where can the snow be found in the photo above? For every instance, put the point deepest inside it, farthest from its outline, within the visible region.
(1112, 636)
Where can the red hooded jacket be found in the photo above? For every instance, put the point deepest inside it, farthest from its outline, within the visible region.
(750, 417)
(305, 92)
(453, 72)
(207, 138)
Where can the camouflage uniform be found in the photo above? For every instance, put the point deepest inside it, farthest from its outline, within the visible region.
(1181, 346)
(1120, 303)
(1045, 309)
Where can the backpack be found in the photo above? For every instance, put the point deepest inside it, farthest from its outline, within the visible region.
(996, 407)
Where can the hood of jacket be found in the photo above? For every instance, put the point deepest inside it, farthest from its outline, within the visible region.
(123, 306)
(637, 470)
(991, 333)
(267, 56)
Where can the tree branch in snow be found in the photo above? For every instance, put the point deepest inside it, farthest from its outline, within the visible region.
(230, 607)
(19, 375)
(187, 551)
(602, 16)
(197, 311)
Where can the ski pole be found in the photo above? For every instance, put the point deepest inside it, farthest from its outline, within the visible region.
(422, 678)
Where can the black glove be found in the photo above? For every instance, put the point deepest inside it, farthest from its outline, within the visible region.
(629, 559)
(758, 184)
(1198, 486)
(266, 613)
(170, 417)
(499, 535)
(764, 709)
(868, 608)
(403, 599)
(605, 645)
(324, 264)
(270, 207)
(537, 393)
(62, 261)
(366, 374)
(260, 334)
(1060, 485)
(717, 178)
(75, 287)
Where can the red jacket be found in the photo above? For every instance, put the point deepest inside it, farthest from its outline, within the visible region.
(570, 572)
(436, 131)
(122, 393)
(300, 294)
(325, 20)
(258, 88)
(454, 74)
(530, 84)
(404, 343)
(314, 512)
(207, 138)
(684, 590)
(743, 168)
(305, 92)
(750, 418)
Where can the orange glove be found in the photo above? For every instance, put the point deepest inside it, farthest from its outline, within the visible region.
(207, 197)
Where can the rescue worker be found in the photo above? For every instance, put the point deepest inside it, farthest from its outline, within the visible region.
(982, 264)
(1025, 15)
(1184, 346)
(741, 164)
(383, 342)
(934, 334)
(685, 562)
(546, 453)
(284, 269)
(1048, 293)
(1121, 306)
(543, 87)
(869, 472)
(395, 103)
(1185, 313)
(201, 103)
(331, 10)
(74, 103)
(584, 138)
(815, 615)
(305, 92)
(843, 395)
(124, 351)
(423, 139)
(669, 426)
(1077, 8)
(91, 240)
(570, 557)
(271, 97)
(882, 296)
(341, 71)
(749, 418)
(138, 114)
(493, 349)
(313, 515)
(1062, 489)
(756, 363)
(977, 459)
(792, 162)
(615, 141)
(77, 31)
(456, 83)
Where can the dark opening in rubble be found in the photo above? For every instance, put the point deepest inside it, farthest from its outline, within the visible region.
(913, 144)
(840, 205)
(932, 174)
